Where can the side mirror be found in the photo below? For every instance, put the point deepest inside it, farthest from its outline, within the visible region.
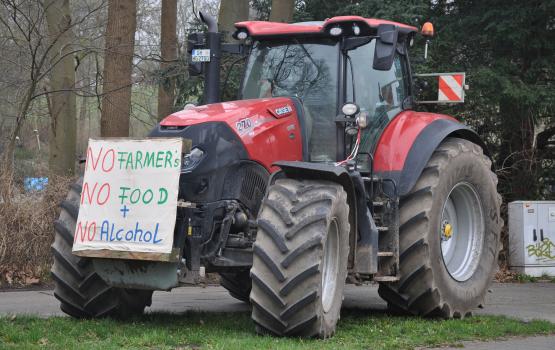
(386, 44)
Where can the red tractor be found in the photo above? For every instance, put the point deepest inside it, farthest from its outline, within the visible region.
(321, 173)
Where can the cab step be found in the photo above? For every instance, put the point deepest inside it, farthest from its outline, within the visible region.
(386, 278)
(371, 179)
(382, 254)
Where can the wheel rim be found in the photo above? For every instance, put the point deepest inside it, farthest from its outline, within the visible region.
(330, 266)
(462, 231)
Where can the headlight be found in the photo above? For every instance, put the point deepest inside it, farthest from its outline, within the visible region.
(349, 109)
(362, 120)
(191, 160)
(336, 31)
(242, 35)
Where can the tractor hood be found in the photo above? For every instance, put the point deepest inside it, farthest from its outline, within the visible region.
(268, 129)
(232, 112)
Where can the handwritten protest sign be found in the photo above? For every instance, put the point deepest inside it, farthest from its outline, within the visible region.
(129, 198)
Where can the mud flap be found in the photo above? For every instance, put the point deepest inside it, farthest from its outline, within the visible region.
(366, 260)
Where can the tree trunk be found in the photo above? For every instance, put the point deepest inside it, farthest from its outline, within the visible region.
(282, 11)
(168, 53)
(63, 125)
(82, 131)
(118, 60)
(231, 12)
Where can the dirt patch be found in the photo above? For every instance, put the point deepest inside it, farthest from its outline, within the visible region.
(504, 275)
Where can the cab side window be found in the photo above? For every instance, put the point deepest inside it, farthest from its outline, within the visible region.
(380, 94)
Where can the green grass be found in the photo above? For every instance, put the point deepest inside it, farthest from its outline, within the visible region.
(522, 278)
(357, 330)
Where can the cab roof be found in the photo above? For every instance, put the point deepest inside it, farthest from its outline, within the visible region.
(276, 29)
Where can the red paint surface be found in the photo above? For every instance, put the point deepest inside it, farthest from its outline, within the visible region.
(398, 137)
(270, 139)
(262, 28)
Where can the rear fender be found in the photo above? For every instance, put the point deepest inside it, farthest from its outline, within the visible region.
(359, 217)
(408, 143)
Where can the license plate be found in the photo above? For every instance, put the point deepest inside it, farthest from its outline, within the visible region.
(200, 55)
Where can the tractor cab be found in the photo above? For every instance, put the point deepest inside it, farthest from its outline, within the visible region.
(343, 61)
(324, 78)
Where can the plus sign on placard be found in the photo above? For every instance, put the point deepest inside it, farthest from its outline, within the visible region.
(124, 210)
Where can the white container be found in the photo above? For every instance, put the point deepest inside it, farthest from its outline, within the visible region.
(532, 237)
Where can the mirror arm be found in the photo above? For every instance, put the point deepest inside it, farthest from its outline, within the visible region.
(352, 43)
(236, 49)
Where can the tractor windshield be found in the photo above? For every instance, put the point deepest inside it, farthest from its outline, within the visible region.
(304, 69)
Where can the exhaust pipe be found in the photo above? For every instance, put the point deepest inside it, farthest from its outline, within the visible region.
(212, 75)
(209, 21)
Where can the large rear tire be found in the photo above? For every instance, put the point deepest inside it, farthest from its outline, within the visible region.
(449, 235)
(81, 292)
(300, 258)
(237, 284)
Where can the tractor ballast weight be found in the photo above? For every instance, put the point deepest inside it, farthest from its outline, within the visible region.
(315, 176)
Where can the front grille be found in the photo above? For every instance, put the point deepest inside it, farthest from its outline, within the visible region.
(247, 183)
(254, 184)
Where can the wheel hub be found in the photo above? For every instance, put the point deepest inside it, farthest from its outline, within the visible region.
(446, 230)
(462, 231)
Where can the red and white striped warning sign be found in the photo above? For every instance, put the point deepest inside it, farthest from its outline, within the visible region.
(451, 88)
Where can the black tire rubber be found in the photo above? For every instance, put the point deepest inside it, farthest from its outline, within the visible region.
(426, 288)
(237, 284)
(287, 272)
(81, 292)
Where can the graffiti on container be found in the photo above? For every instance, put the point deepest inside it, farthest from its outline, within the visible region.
(543, 251)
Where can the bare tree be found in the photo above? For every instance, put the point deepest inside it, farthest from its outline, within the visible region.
(118, 59)
(168, 55)
(282, 10)
(30, 58)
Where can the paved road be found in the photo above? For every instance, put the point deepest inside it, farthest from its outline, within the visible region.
(524, 301)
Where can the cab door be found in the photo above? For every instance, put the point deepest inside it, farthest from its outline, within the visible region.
(380, 94)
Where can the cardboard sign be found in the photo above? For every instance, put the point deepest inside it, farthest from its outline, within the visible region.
(129, 199)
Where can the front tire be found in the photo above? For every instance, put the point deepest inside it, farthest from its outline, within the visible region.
(238, 284)
(449, 235)
(81, 292)
(300, 259)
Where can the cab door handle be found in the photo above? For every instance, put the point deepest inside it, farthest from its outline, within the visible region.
(535, 235)
(541, 234)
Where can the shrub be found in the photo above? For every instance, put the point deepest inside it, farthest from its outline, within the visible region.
(26, 233)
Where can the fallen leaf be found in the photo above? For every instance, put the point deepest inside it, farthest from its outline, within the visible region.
(32, 280)
(9, 277)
